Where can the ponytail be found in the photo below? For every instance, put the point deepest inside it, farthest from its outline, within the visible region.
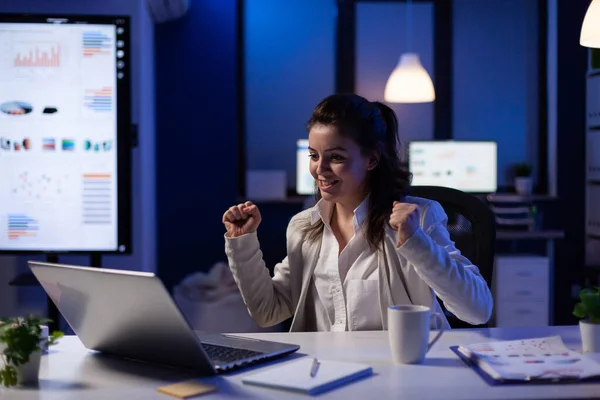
(391, 127)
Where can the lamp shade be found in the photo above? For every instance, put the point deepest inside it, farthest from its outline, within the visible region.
(409, 82)
(590, 30)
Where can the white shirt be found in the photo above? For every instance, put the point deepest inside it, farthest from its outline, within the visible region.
(426, 265)
(344, 293)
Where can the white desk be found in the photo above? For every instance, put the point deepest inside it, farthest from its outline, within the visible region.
(72, 372)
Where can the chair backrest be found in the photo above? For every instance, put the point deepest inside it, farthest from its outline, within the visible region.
(472, 227)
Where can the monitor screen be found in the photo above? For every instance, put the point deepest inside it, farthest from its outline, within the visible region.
(305, 184)
(470, 166)
(64, 124)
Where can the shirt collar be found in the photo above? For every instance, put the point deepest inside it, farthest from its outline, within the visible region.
(323, 210)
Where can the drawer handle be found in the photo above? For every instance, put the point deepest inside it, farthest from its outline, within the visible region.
(523, 273)
(523, 311)
(524, 292)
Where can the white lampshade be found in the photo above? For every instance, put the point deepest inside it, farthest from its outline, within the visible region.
(590, 30)
(409, 82)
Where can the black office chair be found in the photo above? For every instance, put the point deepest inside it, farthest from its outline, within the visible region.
(472, 227)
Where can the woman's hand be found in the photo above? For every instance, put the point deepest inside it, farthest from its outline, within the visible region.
(241, 219)
(404, 219)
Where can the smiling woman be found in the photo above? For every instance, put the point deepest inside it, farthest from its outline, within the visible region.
(364, 246)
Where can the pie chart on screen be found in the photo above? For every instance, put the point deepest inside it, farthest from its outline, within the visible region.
(16, 108)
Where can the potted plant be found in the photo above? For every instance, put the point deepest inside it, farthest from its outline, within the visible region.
(523, 181)
(588, 309)
(23, 345)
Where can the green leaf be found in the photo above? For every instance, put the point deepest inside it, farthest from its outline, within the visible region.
(580, 310)
(590, 304)
(591, 300)
(586, 292)
(8, 376)
(54, 336)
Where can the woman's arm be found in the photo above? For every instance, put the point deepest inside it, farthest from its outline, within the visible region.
(268, 299)
(440, 264)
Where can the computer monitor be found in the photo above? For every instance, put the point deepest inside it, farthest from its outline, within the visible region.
(65, 133)
(470, 166)
(305, 184)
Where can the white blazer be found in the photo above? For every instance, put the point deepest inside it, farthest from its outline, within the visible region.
(425, 266)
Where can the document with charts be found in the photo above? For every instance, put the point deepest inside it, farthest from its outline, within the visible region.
(530, 359)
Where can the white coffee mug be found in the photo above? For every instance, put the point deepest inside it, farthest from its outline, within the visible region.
(408, 329)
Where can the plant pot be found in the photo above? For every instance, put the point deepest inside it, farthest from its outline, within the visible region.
(28, 374)
(590, 337)
(524, 185)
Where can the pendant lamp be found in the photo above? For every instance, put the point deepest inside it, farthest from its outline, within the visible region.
(409, 82)
(590, 30)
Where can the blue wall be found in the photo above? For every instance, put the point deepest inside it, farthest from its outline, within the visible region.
(289, 64)
(495, 77)
(197, 159)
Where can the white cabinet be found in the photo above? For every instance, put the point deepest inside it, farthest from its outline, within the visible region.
(593, 211)
(592, 214)
(522, 291)
(592, 251)
(593, 98)
(593, 155)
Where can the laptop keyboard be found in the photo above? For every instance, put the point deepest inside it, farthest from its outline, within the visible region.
(226, 355)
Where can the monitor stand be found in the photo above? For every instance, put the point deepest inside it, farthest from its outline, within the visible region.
(28, 279)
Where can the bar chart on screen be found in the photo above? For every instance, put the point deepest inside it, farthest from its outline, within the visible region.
(34, 199)
(96, 43)
(45, 209)
(98, 101)
(35, 55)
(97, 199)
(21, 226)
(45, 55)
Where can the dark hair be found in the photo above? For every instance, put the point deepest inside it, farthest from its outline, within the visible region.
(374, 127)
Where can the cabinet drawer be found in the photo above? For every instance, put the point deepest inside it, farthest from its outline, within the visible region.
(522, 278)
(516, 313)
(592, 251)
(592, 210)
(521, 266)
(593, 155)
(524, 273)
(523, 290)
(593, 101)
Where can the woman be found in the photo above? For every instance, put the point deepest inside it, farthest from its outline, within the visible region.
(364, 246)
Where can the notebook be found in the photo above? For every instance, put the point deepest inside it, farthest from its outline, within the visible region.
(540, 359)
(296, 376)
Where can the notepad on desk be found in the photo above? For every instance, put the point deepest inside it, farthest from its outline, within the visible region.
(529, 360)
(296, 376)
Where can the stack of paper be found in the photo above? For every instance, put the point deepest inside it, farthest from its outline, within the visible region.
(530, 359)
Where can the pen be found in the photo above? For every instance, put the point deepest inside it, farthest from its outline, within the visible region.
(315, 368)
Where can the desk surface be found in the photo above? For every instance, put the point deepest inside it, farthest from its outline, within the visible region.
(72, 372)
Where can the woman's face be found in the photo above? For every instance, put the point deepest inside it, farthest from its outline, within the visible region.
(337, 165)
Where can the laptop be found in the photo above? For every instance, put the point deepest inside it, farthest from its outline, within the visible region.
(131, 315)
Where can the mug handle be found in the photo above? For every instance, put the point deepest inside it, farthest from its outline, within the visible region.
(437, 316)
